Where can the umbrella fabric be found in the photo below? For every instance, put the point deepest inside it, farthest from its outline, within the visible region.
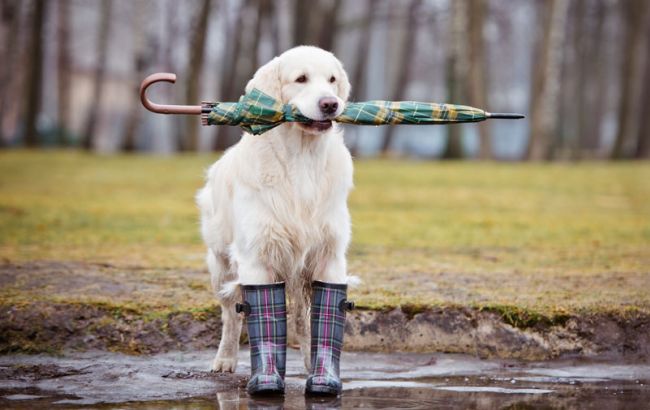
(257, 113)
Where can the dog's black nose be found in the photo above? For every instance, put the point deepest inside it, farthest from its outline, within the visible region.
(328, 105)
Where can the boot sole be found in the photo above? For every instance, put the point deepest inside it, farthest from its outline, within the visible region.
(322, 391)
(268, 389)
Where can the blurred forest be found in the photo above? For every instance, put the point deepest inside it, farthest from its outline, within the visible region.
(579, 70)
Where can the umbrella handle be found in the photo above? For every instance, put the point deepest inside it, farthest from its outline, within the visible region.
(163, 108)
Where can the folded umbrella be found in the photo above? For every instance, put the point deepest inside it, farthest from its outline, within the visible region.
(257, 112)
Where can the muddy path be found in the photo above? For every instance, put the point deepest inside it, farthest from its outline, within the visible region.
(53, 326)
(372, 380)
(56, 306)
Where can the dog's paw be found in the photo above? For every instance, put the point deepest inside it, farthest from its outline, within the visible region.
(224, 364)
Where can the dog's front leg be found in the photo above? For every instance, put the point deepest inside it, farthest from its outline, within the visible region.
(328, 309)
(301, 297)
(222, 272)
(264, 305)
(226, 358)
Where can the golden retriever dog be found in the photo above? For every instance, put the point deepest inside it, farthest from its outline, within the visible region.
(274, 206)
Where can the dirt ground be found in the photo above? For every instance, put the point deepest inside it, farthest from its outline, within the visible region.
(52, 306)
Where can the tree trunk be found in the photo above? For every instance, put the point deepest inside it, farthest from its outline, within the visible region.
(301, 23)
(194, 70)
(568, 98)
(229, 80)
(455, 76)
(11, 18)
(106, 10)
(594, 83)
(581, 50)
(643, 137)
(546, 82)
(171, 9)
(64, 61)
(404, 73)
(328, 28)
(274, 27)
(262, 15)
(35, 74)
(477, 71)
(360, 69)
(142, 58)
(635, 12)
(363, 50)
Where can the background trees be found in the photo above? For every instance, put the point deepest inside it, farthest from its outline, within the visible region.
(579, 69)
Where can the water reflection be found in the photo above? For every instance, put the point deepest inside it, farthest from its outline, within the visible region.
(235, 400)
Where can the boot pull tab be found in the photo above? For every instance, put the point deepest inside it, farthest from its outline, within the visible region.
(346, 305)
(243, 308)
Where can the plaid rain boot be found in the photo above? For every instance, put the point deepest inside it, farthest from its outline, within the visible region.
(266, 320)
(328, 308)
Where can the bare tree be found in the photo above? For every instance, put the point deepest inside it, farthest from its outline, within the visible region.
(88, 138)
(230, 80)
(10, 15)
(301, 21)
(569, 100)
(546, 81)
(592, 82)
(262, 15)
(328, 28)
(143, 53)
(194, 69)
(35, 74)
(363, 50)
(643, 137)
(477, 88)
(361, 64)
(64, 61)
(274, 27)
(171, 40)
(232, 53)
(636, 21)
(404, 72)
(581, 50)
(455, 75)
(315, 22)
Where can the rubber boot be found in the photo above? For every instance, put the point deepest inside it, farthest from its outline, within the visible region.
(328, 307)
(266, 320)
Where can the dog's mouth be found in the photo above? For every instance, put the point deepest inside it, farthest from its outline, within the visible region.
(317, 126)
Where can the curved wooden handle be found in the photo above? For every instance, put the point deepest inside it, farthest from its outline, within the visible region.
(163, 108)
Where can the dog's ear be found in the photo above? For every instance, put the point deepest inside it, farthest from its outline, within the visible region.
(267, 79)
(343, 85)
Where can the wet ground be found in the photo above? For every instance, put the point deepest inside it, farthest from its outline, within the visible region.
(181, 380)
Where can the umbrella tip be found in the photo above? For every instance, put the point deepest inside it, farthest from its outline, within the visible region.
(506, 115)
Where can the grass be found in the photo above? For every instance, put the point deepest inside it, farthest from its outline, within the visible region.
(549, 238)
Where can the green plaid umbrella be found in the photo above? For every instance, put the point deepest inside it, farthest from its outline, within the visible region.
(257, 113)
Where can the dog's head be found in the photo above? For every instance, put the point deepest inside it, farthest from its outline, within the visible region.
(310, 78)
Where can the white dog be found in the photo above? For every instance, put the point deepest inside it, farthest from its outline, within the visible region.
(274, 207)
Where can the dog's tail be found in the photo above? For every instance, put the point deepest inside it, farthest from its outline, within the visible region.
(354, 281)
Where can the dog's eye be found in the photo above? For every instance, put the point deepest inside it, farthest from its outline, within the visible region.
(301, 79)
(332, 79)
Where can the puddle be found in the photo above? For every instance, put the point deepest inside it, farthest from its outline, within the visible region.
(181, 380)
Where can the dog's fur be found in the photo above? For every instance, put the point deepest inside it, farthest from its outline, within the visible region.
(274, 207)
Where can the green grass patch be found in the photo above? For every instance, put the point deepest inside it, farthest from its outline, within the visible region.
(531, 237)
